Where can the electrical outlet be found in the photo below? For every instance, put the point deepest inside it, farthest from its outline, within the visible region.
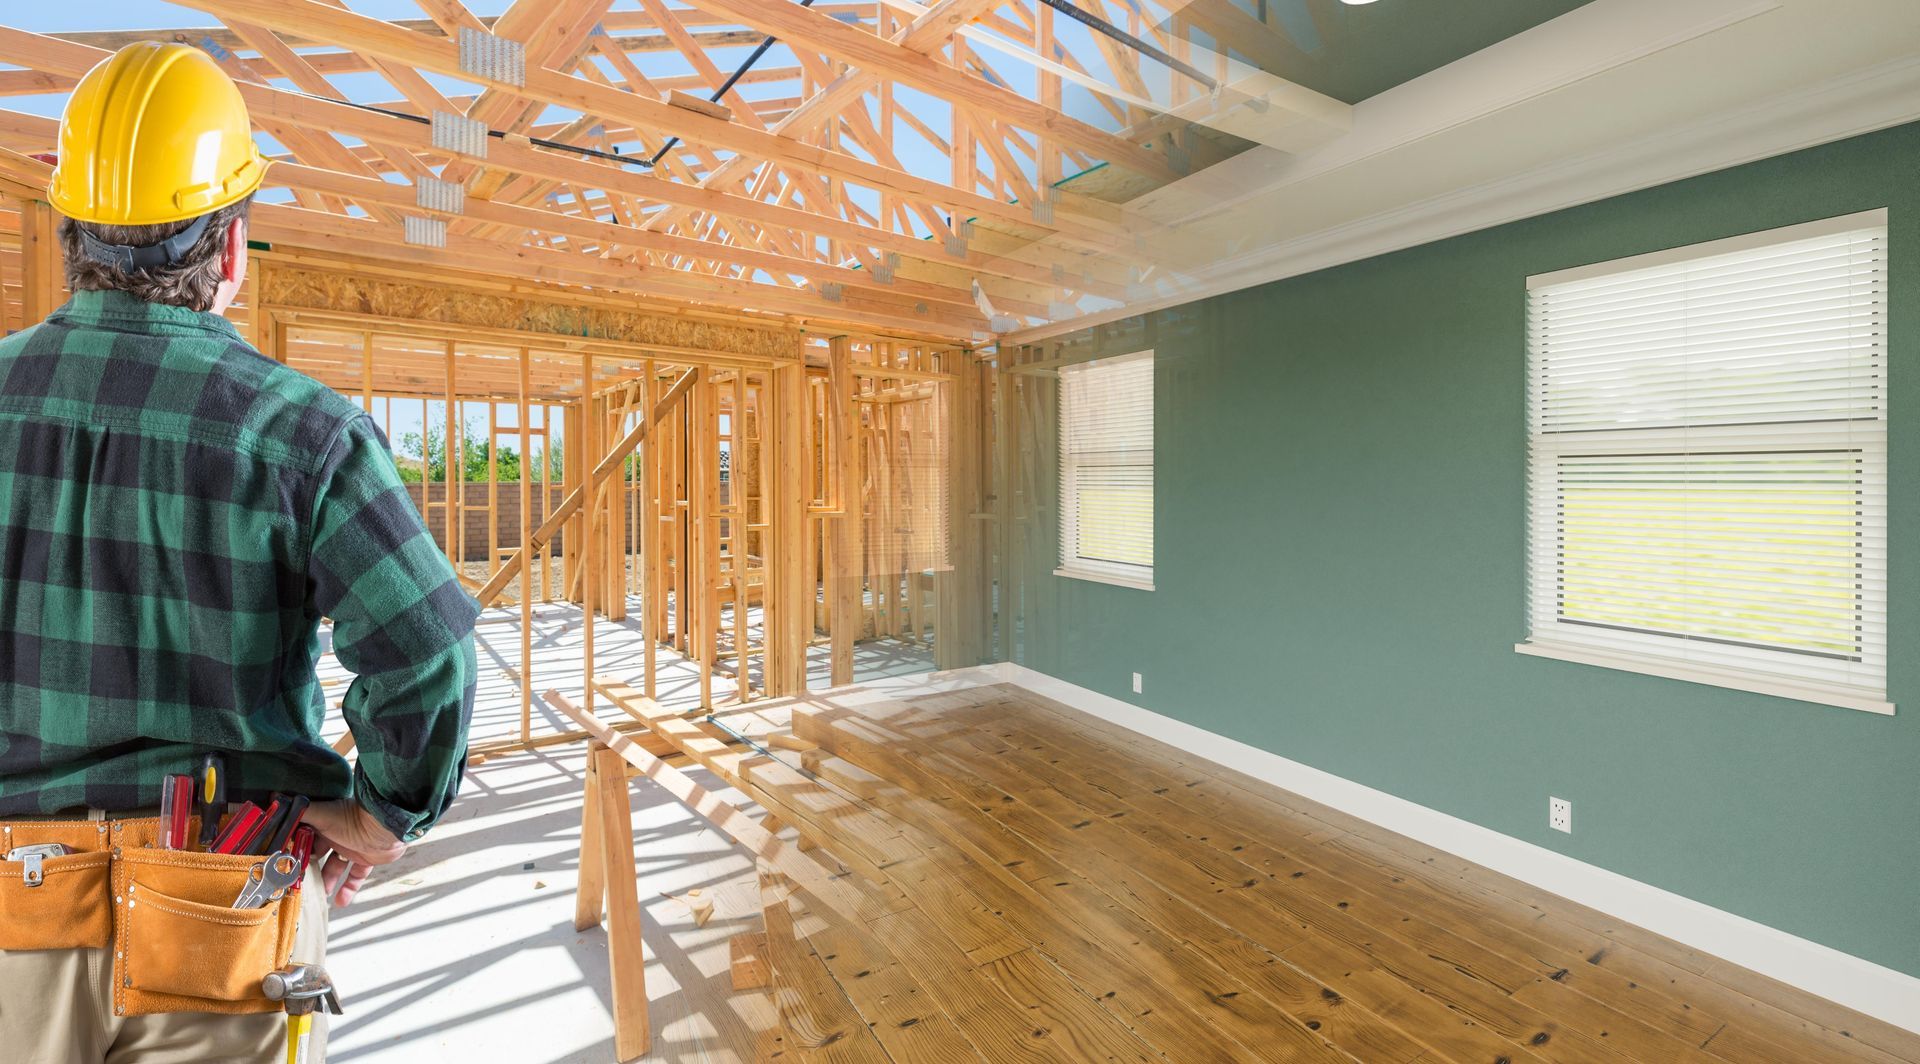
(1136, 683)
(1560, 814)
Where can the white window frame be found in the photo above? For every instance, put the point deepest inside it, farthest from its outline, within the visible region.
(1119, 574)
(1659, 655)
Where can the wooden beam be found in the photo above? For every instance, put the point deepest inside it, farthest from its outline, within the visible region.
(840, 893)
(789, 600)
(42, 265)
(587, 545)
(625, 942)
(373, 37)
(802, 28)
(522, 412)
(651, 544)
(279, 223)
(268, 104)
(601, 471)
(962, 587)
(805, 119)
(589, 901)
(846, 584)
(843, 774)
(938, 24)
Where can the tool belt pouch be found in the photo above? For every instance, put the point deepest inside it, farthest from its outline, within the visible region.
(56, 902)
(180, 946)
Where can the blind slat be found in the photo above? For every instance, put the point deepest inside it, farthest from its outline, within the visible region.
(1106, 466)
(1707, 461)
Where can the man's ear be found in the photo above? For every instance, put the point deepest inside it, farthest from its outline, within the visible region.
(233, 258)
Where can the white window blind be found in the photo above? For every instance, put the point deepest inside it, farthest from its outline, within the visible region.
(1106, 470)
(1707, 470)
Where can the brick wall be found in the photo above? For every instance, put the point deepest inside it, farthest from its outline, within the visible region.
(474, 517)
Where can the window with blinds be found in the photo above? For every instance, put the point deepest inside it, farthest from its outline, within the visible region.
(1707, 464)
(1106, 470)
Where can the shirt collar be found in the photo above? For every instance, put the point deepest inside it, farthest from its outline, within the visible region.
(121, 308)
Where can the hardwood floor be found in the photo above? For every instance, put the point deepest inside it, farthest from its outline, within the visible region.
(1054, 888)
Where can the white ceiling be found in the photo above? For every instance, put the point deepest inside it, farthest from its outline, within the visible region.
(1611, 97)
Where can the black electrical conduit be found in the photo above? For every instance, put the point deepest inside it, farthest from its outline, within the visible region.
(1065, 7)
(592, 153)
(725, 87)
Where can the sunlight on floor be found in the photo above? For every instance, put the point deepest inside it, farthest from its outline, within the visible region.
(465, 950)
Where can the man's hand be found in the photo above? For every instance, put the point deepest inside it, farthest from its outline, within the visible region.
(357, 843)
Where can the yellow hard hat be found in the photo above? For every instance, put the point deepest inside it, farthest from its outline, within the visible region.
(155, 133)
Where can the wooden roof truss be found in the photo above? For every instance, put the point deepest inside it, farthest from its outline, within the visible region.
(803, 191)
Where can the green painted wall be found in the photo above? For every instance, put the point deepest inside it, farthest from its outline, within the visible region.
(1339, 524)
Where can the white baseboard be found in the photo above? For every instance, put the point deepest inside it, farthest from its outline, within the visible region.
(1859, 984)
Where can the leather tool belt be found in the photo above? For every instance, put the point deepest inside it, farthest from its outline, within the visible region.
(178, 943)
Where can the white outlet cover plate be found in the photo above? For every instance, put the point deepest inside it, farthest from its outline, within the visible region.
(1136, 683)
(1560, 814)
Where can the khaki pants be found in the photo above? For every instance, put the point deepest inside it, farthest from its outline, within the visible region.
(56, 1007)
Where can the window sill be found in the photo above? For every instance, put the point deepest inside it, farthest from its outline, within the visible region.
(1846, 698)
(1104, 578)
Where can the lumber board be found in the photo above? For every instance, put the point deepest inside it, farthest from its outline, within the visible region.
(375, 38)
(839, 891)
(591, 894)
(823, 816)
(571, 503)
(691, 102)
(846, 581)
(842, 773)
(632, 1034)
(848, 908)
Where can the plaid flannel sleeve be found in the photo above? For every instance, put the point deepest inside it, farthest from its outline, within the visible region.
(402, 625)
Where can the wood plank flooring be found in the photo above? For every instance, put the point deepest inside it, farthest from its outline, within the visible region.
(1039, 885)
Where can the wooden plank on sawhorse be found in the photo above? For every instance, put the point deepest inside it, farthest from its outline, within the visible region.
(822, 815)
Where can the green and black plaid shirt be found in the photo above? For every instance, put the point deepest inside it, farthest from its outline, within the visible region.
(177, 513)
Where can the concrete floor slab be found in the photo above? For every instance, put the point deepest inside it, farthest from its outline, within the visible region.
(464, 951)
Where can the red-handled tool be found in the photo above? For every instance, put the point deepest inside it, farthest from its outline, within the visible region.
(301, 846)
(241, 827)
(176, 807)
(282, 818)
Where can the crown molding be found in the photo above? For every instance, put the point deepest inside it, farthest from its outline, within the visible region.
(1879, 97)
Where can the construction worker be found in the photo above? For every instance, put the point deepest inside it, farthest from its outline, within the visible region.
(178, 514)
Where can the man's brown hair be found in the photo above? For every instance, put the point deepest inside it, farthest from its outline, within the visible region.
(192, 282)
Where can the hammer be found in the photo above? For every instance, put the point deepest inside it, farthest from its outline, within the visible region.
(302, 988)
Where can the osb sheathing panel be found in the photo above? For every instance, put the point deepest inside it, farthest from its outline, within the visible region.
(307, 289)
